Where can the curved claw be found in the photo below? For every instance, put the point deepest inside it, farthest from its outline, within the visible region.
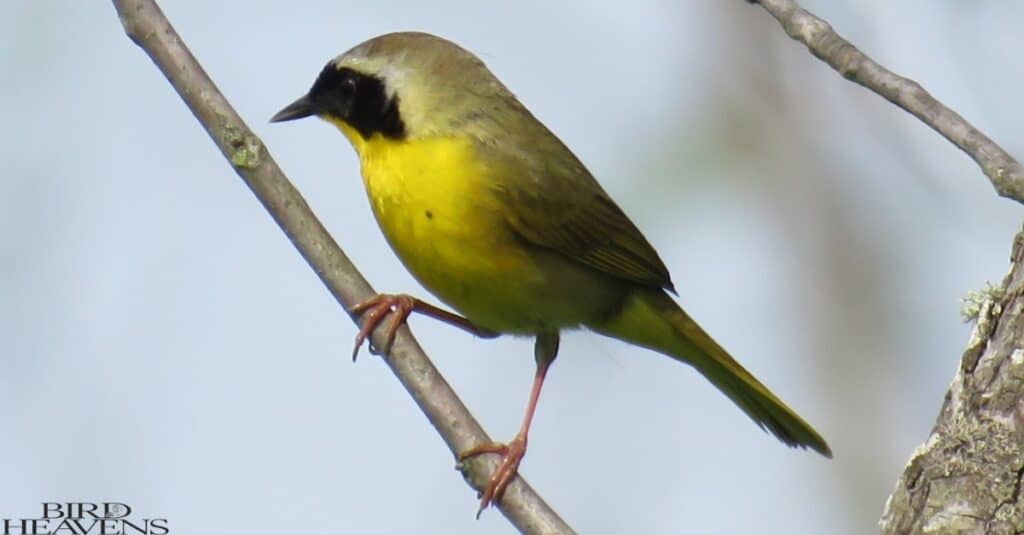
(511, 455)
(377, 309)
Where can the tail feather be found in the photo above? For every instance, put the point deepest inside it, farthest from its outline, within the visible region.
(650, 318)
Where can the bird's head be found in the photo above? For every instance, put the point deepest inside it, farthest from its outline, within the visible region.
(398, 85)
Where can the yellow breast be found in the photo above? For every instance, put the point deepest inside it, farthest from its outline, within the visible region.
(432, 200)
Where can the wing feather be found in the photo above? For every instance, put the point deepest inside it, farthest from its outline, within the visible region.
(552, 201)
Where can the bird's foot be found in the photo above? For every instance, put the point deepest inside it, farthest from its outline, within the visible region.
(376, 310)
(511, 455)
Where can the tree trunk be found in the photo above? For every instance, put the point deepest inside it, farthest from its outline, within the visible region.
(966, 478)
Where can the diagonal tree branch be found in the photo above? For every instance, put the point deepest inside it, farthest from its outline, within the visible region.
(1005, 173)
(967, 476)
(146, 25)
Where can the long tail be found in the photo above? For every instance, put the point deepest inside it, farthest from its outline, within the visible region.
(650, 318)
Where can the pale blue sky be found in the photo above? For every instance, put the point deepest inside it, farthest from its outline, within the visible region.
(165, 346)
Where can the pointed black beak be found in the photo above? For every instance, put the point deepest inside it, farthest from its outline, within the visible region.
(296, 110)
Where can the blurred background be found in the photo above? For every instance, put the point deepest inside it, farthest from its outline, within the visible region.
(164, 345)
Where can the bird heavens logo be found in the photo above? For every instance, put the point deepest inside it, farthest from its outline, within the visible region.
(84, 518)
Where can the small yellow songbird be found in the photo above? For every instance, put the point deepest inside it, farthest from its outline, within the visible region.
(498, 219)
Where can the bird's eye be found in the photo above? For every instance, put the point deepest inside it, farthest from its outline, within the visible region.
(348, 87)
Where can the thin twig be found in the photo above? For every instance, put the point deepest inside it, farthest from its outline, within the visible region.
(1005, 173)
(966, 478)
(146, 25)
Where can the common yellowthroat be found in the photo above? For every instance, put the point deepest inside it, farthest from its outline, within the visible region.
(498, 219)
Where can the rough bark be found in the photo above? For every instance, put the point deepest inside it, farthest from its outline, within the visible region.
(966, 478)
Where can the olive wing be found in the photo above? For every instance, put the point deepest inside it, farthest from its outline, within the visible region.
(552, 201)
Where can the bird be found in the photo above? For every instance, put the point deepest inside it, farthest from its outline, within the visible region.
(497, 218)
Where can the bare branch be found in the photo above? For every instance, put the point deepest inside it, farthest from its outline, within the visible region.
(966, 478)
(146, 25)
(1005, 173)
